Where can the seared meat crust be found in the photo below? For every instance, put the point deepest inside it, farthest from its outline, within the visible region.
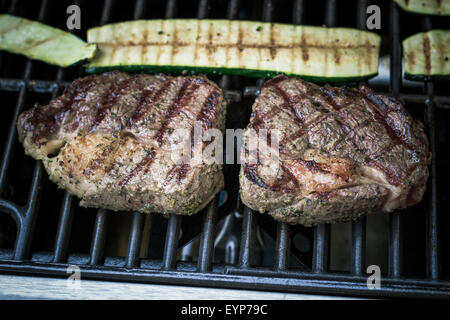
(113, 134)
(343, 153)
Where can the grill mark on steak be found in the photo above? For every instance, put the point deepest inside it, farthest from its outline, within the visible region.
(289, 102)
(180, 101)
(147, 101)
(207, 112)
(259, 119)
(350, 134)
(337, 98)
(46, 123)
(109, 99)
(180, 171)
(332, 95)
(105, 166)
(380, 110)
(391, 176)
(94, 164)
(144, 164)
(79, 94)
(354, 135)
(301, 132)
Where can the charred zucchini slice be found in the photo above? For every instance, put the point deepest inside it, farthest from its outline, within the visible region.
(254, 49)
(427, 55)
(39, 41)
(432, 7)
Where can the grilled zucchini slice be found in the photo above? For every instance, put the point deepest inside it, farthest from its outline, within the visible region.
(39, 41)
(427, 55)
(431, 7)
(254, 49)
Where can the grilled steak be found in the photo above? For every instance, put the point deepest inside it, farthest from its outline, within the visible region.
(108, 140)
(343, 153)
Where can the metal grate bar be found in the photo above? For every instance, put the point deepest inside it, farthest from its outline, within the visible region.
(26, 231)
(233, 7)
(106, 11)
(247, 238)
(135, 239)
(25, 235)
(433, 242)
(139, 9)
(267, 11)
(358, 255)
(66, 215)
(13, 210)
(283, 243)
(321, 248)
(361, 14)
(148, 227)
(395, 232)
(64, 227)
(12, 7)
(12, 133)
(202, 11)
(10, 140)
(330, 11)
(99, 237)
(171, 9)
(206, 249)
(297, 12)
(171, 244)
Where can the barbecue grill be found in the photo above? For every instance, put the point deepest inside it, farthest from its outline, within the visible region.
(43, 230)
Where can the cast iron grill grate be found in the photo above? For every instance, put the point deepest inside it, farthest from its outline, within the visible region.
(28, 197)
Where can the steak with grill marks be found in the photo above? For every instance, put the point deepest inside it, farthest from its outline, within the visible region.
(108, 140)
(343, 153)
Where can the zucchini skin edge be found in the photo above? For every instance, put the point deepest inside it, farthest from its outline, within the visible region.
(422, 77)
(221, 71)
